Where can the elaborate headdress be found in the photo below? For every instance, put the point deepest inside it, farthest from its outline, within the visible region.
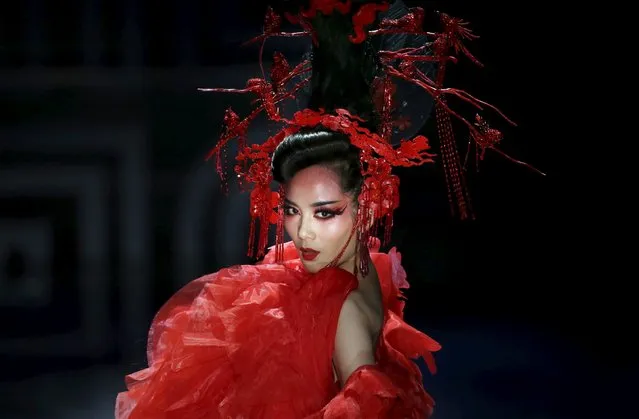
(372, 134)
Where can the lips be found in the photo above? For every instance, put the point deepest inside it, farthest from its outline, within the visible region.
(308, 254)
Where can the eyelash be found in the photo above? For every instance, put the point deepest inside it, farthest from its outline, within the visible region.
(290, 211)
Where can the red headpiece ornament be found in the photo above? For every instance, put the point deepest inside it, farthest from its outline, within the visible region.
(380, 193)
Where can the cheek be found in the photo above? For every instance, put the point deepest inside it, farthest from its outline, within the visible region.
(336, 230)
(290, 227)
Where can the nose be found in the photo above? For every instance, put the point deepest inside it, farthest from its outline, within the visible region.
(305, 230)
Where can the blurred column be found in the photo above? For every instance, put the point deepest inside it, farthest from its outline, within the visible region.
(91, 33)
(34, 48)
(186, 27)
(132, 35)
(135, 249)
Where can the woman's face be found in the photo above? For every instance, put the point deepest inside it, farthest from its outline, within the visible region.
(319, 218)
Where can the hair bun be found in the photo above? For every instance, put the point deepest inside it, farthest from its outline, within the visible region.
(343, 72)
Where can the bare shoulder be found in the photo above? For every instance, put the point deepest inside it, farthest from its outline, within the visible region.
(369, 305)
(368, 298)
(357, 330)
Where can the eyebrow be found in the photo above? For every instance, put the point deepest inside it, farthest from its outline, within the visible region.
(314, 204)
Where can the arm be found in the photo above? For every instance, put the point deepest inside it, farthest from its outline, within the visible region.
(354, 340)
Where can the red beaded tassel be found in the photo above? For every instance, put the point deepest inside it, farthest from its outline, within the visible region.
(279, 233)
(458, 196)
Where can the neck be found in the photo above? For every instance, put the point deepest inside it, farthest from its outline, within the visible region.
(352, 264)
(349, 265)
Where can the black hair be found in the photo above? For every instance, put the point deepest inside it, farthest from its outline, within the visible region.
(342, 74)
(319, 147)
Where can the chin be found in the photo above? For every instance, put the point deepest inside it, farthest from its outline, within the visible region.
(311, 267)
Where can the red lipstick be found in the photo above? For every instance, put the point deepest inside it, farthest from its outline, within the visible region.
(308, 254)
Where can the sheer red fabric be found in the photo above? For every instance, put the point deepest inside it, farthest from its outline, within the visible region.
(256, 341)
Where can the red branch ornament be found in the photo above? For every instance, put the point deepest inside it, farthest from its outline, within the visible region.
(380, 192)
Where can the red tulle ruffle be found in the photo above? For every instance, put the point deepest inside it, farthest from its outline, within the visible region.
(254, 341)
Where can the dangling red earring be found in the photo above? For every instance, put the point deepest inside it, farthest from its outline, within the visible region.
(279, 232)
(363, 236)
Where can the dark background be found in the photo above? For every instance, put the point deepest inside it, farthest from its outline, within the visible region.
(107, 207)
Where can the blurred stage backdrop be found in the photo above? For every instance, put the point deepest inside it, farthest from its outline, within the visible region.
(107, 206)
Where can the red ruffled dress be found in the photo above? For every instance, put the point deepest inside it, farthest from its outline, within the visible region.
(256, 341)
